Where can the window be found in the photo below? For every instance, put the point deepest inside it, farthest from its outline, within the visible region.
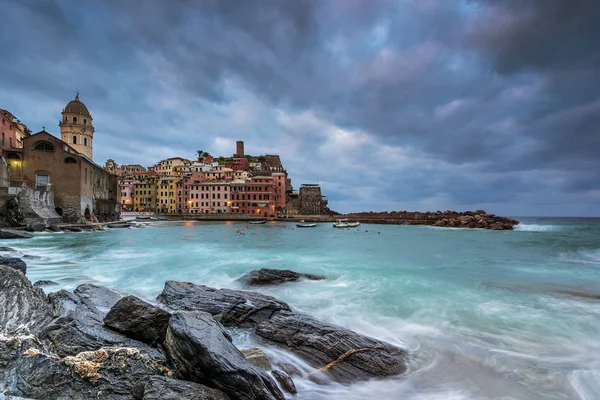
(42, 179)
(84, 121)
(74, 120)
(85, 141)
(70, 160)
(43, 146)
(74, 139)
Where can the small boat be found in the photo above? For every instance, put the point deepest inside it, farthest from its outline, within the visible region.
(159, 218)
(303, 224)
(258, 222)
(344, 223)
(142, 217)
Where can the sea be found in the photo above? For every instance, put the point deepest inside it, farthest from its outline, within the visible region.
(484, 314)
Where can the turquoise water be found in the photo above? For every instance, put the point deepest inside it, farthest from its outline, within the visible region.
(485, 314)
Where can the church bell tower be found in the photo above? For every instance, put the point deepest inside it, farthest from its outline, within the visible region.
(76, 127)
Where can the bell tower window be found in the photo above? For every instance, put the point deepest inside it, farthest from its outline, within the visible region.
(84, 121)
(74, 120)
(74, 139)
(85, 141)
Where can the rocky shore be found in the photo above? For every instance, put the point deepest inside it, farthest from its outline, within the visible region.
(444, 219)
(98, 343)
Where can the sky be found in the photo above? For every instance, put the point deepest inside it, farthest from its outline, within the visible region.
(388, 105)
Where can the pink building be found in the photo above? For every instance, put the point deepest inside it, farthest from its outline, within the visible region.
(210, 197)
(127, 186)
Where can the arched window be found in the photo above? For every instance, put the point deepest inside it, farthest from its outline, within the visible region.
(74, 120)
(70, 160)
(85, 141)
(74, 139)
(84, 121)
(43, 146)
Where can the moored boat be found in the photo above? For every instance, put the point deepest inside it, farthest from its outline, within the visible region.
(303, 224)
(344, 223)
(258, 222)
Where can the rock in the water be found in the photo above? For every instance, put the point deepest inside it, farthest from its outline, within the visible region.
(35, 227)
(78, 324)
(2, 248)
(54, 228)
(45, 283)
(163, 388)
(236, 307)
(23, 308)
(14, 263)
(138, 319)
(11, 234)
(27, 369)
(285, 381)
(353, 356)
(196, 345)
(257, 358)
(72, 229)
(319, 343)
(267, 276)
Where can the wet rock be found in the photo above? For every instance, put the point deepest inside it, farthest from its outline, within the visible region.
(72, 229)
(28, 369)
(199, 350)
(257, 358)
(32, 257)
(2, 248)
(285, 381)
(163, 388)
(353, 356)
(54, 228)
(235, 307)
(23, 308)
(78, 325)
(11, 234)
(267, 276)
(45, 283)
(138, 319)
(14, 263)
(35, 227)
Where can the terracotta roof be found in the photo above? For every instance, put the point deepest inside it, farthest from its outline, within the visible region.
(77, 107)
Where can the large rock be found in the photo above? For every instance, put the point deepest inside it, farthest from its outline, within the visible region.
(14, 263)
(139, 320)
(27, 369)
(231, 307)
(11, 234)
(45, 283)
(78, 322)
(3, 248)
(353, 356)
(199, 350)
(257, 358)
(163, 388)
(23, 308)
(285, 381)
(35, 227)
(266, 276)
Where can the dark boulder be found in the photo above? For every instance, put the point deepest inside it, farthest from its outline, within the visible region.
(284, 381)
(23, 308)
(267, 276)
(343, 354)
(54, 228)
(14, 263)
(32, 257)
(72, 229)
(353, 356)
(138, 319)
(11, 234)
(163, 388)
(232, 307)
(78, 324)
(27, 369)
(45, 283)
(2, 248)
(200, 352)
(35, 227)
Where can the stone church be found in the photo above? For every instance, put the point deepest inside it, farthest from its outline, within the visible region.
(83, 190)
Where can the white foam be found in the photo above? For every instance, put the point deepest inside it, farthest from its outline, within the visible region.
(537, 228)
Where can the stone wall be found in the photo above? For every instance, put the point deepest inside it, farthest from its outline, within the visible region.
(311, 200)
(37, 205)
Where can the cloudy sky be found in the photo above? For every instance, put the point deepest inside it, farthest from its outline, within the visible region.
(389, 105)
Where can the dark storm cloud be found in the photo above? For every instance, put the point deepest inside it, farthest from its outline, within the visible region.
(496, 100)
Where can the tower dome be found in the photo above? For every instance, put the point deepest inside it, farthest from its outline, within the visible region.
(76, 127)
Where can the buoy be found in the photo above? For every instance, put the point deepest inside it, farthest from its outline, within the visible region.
(379, 233)
(366, 231)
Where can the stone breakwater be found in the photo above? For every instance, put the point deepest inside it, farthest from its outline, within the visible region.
(98, 343)
(445, 219)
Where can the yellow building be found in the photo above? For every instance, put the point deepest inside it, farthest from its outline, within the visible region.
(144, 191)
(76, 127)
(168, 166)
(165, 195)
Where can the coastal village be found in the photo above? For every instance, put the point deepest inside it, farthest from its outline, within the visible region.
(45, 180)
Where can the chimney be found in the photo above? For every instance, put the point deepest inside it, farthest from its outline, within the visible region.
(239, 148)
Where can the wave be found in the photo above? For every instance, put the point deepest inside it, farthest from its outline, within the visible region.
(538, 228)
